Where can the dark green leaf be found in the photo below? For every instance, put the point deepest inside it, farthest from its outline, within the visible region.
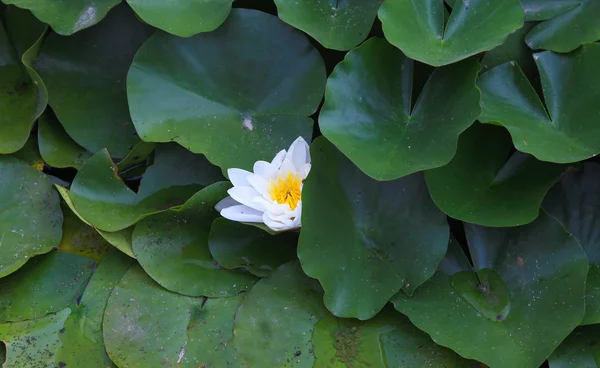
(418, 28)
(365, 240)
(513, 49)
(339, 25)
(580, 350)
(56, 147)
(80, 238)
(488, 185)
(368, 112)
(237, 95)
(546, 9)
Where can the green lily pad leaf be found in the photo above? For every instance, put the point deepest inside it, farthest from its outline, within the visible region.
(365, 240)
(568, 30)
(30, 154)
(387, 340)
(172, 247)
(369, 116)
(23, 96)
(543, 269)
(568, 133)
(337, 25)
(56, 147)
(235, 245)
(419, 29)
(138, 156)
(580, 350)
(80, 238)
(242, 92)
(487, 185)
(513, 49)
(189, 331)
(101, 198)
(273, 324)
(72, 336)
(183, 18)
(30, 215)
(122, 239)
(46, 284)
(67, 17)
(575, 202)
(87, 91)
(546, 9)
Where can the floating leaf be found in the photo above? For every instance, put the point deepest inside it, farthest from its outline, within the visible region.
(85, 76)
(365, 240)
(339, 25)
(513, 49)
(571, 85)
(546, 9)
(172, 247)
(418, 28)
(575, 23)
(46, 284)
(575, 202)
(579, 350)
(487, 185)
(120, 239)
(542, 267)
(368, 112)
(238, 94)
(31, 219)
(56, 147)
(80, 238)
(236, 245)
(183, 18)
(191, 332)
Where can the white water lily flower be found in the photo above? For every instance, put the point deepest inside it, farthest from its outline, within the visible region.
(273, 193)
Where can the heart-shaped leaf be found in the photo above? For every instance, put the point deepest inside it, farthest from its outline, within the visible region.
(46, 284)
(486, 184)
(580, 350)
(67, 17)
(26, 193)
(235, 245)
(23, 96)
(172, 247)
(56, 147)
(368, 112)
(190, 332)
(575, 23)
(365, 240)
(543, 269)
(571, 87)
(183, 18)
(513, 49)
(238, 94)
(338, 25)
(575, 202)
(420, 30)
(87, 93)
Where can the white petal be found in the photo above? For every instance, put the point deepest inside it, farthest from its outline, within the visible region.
(299, 153)
(304, 171)
(286, 167)
(260, 184)
(238, 177)
(265, 170)
(273, 225)
(242, 213)
(278, 159)
(224, 203)
(245, 196)
(272, 207)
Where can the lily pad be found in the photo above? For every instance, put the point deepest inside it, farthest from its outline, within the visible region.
(580, 350)
(46, 284)
(87, 92)
(546, 9)
(513, 49)
(56, 147)
(67, 17)
(337, 25)
(365, 240)
(23, 96)
(80, 238)
(183, 18)
(575, 202)
(172, 247)
(420, 30)
(368, 112)
(571, 86)
(235, 245)
(101, 198)
(238, 94)
(120, 239)
(26, 193)
(542, 267)
(575, 23)
(273, 325)
(190, 332)
(486, 184)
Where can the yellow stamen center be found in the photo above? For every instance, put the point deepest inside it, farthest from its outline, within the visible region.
(286, 190)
